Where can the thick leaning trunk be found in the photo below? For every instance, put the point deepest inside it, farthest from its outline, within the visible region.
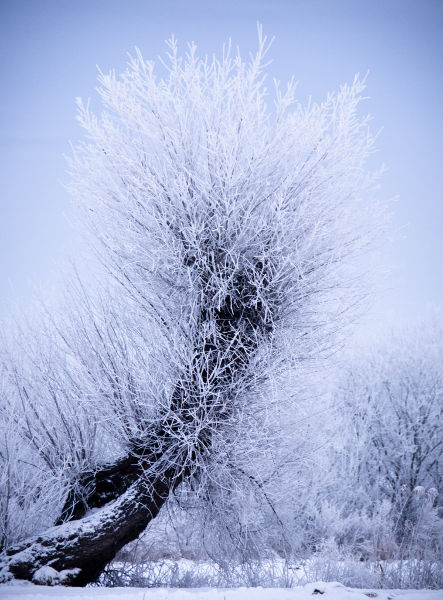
(81, 546)
(80, 550)
(94, 489)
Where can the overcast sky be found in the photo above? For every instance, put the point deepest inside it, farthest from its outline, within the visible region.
(49, 53)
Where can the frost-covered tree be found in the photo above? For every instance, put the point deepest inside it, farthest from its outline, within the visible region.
(231, 232)
(388, 460)
(394, 403)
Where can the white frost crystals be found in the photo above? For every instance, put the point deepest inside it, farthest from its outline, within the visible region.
(230, 236)
(191, 184)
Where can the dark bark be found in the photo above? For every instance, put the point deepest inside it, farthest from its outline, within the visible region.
(94, 489)
(89, 544)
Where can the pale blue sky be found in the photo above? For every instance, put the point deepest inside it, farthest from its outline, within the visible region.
(49, 53)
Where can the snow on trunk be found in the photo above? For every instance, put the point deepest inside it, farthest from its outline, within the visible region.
(78, 551)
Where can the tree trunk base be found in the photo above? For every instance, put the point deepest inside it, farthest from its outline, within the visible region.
(75, 553)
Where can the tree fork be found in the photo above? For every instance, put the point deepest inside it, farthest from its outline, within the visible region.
(94, 489)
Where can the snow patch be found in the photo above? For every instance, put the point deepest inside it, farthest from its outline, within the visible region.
(49, 576)
(45, 576)
(326, 591)
(5, 575)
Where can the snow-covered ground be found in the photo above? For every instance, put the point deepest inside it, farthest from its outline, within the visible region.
(328, 591)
